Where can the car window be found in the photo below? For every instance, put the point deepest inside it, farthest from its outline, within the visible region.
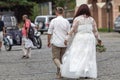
(70, 21)
(14, 21)
(7, 19)
(41, 19)
(50, 18)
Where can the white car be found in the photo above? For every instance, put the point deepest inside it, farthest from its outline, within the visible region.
(43, 22)
(116, 27)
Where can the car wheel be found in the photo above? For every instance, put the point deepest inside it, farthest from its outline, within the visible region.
(42, 32)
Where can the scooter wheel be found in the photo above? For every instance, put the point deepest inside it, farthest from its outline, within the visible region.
(7, 45)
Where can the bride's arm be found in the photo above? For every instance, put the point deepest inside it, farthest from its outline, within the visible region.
(73, 29)
(95, 31)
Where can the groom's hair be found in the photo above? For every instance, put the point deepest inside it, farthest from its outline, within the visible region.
(60, 10)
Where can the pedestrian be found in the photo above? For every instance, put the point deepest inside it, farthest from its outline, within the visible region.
(79, 59)
(27, 44)
(2, 31)
(57, 32)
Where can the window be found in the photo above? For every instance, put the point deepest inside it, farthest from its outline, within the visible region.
(119, 8)
(50, 18)
(41, 19)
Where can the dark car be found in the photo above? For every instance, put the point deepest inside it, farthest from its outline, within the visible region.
(13, 34)
(70, 21)
(117, 25)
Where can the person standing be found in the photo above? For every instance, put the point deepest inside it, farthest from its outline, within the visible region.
(79, 59)
(2, 31)
(57, 32)
(26, 42)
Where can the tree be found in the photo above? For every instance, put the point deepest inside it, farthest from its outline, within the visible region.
(30, 7)
(19, 7)
(69, 4)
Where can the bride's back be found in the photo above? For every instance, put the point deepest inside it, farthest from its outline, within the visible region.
(85, 24)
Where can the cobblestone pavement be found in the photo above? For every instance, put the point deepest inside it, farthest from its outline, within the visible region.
(41, 67)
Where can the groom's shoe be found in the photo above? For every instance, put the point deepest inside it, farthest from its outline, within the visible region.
(23, 57)
(58, 76)
(88, 78)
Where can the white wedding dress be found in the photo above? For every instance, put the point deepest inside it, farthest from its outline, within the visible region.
(79, 59)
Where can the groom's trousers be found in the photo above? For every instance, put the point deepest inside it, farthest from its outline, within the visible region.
(57, 53)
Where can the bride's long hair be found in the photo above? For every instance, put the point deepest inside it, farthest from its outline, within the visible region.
(83, 10)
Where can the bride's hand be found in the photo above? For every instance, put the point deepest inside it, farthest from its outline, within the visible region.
(99, 42)
(65, 42)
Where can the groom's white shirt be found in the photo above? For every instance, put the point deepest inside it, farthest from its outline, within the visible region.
(59, 27)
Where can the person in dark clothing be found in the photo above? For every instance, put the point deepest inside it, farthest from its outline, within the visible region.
(2, 31)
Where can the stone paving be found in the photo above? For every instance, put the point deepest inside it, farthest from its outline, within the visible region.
(41, 67)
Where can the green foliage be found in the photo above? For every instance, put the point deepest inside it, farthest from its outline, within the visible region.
(61, 3)
(35, 11)
(11, 3)
(19, 7)
(69, 4)
(105, 30)
(2, 3)
(23, 5)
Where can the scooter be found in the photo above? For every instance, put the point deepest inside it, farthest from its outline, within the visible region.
(13, 37)
(8, 43)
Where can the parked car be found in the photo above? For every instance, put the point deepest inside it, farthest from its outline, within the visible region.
(117, 25)
(9, 21)
(70, 21)
(43, 22)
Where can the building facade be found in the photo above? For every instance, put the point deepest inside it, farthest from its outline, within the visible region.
(104, 14)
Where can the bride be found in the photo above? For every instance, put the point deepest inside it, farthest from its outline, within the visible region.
(79, 59)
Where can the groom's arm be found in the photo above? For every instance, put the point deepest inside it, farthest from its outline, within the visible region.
(49, 38)
(50, 32)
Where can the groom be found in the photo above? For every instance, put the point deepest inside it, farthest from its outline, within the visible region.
(57, 32)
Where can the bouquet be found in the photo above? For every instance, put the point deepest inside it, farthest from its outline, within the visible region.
(100, 47)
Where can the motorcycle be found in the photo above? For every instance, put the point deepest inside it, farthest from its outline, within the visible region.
(13, 37)
(37, 40)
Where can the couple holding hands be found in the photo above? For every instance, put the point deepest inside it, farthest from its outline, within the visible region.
(79, 60)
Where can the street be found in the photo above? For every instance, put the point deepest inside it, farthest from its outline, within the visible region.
(41, 67)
